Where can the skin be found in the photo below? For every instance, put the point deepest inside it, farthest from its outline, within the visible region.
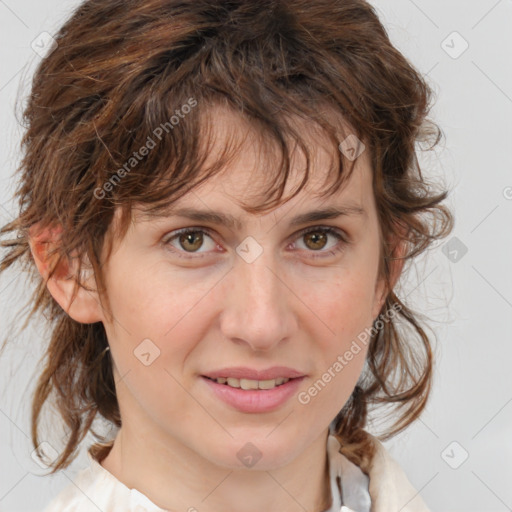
(178, 444)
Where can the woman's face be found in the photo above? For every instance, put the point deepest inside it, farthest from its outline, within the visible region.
(227, 300)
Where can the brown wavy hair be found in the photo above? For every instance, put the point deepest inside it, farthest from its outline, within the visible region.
(121, 68)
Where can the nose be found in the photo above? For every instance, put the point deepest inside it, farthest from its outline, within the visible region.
(258, 309)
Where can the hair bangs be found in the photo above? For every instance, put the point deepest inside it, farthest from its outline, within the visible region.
(197, 150)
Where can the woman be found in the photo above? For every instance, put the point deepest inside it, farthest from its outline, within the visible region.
(185, 166)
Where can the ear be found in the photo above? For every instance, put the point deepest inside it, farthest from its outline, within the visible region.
(396, 264)
(85, 308)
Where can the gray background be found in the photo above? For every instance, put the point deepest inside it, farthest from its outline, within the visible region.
(459, 454)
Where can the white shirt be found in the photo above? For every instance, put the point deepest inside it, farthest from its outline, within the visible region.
(387, 489)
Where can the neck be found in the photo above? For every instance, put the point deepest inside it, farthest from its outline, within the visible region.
(176, 478)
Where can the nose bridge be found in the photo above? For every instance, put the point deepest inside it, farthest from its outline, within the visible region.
(258, 310)
(262, 286)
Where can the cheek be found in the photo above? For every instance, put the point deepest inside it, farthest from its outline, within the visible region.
(159, 320)
(343, 304)
(156, 299)
(345, 308)
(344, 297)
(154, 330)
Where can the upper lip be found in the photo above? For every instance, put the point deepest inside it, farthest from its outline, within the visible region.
(242, 372)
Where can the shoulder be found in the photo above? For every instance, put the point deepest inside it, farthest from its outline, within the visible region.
(94, 488)
(389, 487)
(79, 493)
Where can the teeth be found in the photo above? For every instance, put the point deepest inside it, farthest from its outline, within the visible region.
(251, 384)
(234, 383)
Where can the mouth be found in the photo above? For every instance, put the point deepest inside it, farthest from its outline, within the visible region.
(249, 384)
(251, 395)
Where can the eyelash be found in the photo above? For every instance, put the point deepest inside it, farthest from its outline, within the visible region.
(323, 229)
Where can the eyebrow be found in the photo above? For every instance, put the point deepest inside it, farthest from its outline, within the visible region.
(230, 221)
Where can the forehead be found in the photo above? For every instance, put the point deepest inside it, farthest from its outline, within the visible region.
(254, 161)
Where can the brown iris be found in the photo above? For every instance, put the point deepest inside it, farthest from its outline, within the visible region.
(315, 236)
(192, 236)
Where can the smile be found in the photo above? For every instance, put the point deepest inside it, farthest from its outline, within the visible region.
(253, 396)
(250, 384)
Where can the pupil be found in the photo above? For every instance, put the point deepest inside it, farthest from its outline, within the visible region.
(317, 236)
(189, 237)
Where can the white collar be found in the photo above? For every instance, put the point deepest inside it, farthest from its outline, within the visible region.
(349, 485)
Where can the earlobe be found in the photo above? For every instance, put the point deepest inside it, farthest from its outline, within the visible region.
(85, 306)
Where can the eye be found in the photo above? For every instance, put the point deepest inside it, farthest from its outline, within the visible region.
(190, 240)
(316, 239)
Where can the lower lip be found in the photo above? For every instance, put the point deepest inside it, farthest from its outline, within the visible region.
(253, 400)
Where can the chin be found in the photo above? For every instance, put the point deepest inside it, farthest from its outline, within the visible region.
(253, 452)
